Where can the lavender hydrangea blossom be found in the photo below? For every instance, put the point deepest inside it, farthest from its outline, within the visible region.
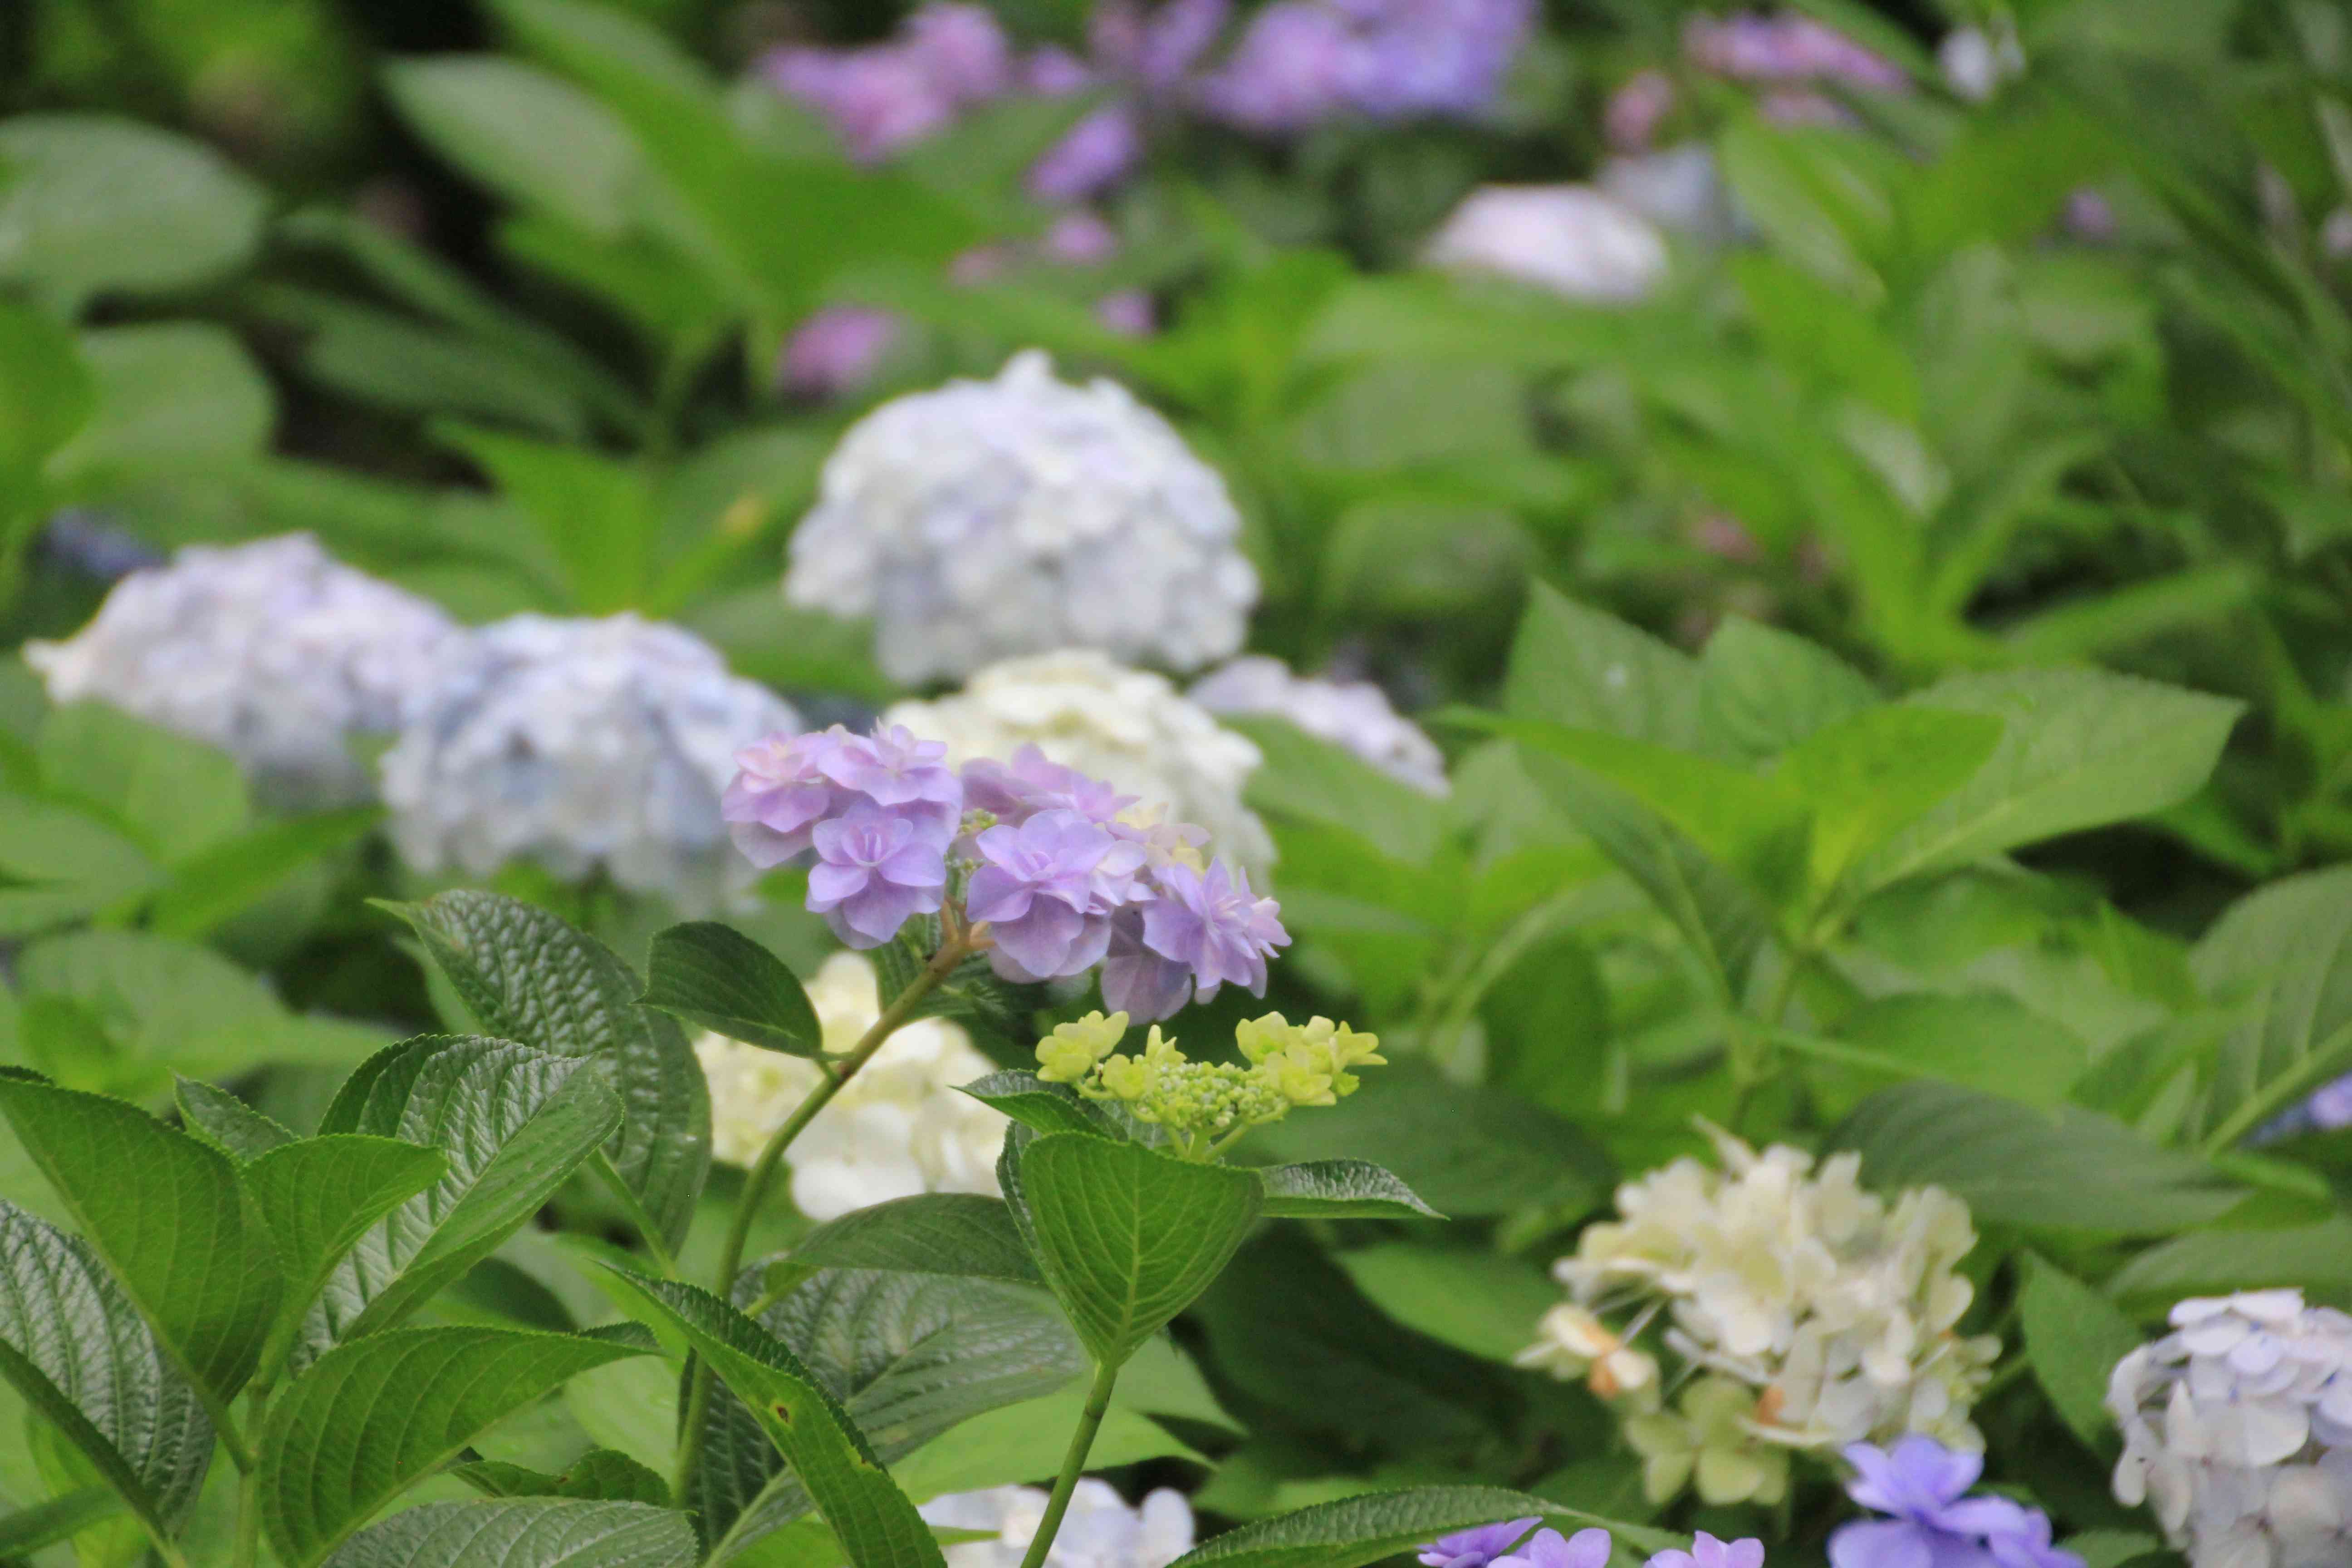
(1706, 1552)
(1043, 890)
(1922, 1486)
(875, 870)
(1300, 62)
(1477, 1547)
(1490, 1546)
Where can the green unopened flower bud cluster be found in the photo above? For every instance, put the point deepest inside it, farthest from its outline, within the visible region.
(1205, 1106)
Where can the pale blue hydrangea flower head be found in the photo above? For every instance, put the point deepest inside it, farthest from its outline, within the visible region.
(1355, 714)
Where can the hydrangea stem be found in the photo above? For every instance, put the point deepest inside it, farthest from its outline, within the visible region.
(955, 942)
(1074, 1464)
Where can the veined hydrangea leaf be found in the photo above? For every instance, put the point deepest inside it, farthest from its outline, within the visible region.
(603, 1474)
(529, 976)
(2283, 955)
(1765, 690)
(525, 1532)
(2073, 1337)
(1574, 665)
(169, 1218)
(1128, 1237)
(875, 1523)
(1361, 1529)
(714, 976)
(1869, 775)
(930, 1233)
(73, 1345)
(1340, 1189)
(1037, 1104)
(369, 1417)
(227, 1123)
(514, 1123)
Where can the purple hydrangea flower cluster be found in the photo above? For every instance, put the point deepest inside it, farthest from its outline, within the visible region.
(1300, 62)
(1502, 1546)
(1061, 872)
(1921, 1486)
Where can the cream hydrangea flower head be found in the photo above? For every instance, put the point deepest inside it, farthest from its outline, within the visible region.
(272, 651)
(897, 1129)
(1569, 239)
(2238, 1431)
(1101, 1530)
(1127, 727)
(584, 745)
(1833, 1311)
(986, 519)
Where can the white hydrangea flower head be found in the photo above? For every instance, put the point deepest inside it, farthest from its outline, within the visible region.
(897, 1129)
(1128, 727)
(1836, 1309)
(1355, 714)
(987, 519)
(1571, 240)
(1101, 1530)
(584, 745)
(2238, 1431)
(272, 651)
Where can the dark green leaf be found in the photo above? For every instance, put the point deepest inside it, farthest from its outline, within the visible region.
(604, 1475)
(525, 1532)
(1474, 1299)
(528, 976)
(1363, 1530)
(1034, 1103)
(535, 139)
(1126, 1235)
(169, 1218)
(2283, 956)
(2073, 1337)
(1340, 1189)
(369, 1417)
(930, 1233)
(227, 1123)
(713, 976)
(319, 1196)
(235, 873)
(29, 1529)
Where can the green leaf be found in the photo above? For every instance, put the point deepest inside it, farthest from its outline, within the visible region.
(175, 399)
(1363, 1530)
(525, 1532)
(2067, 1169)
(45, 393)
(1578, 667)
(96, 204)
(2073, 1337)
(1126, 1235)
(1340, 1189)
(169, 1218)
(1034, 1103)
(597, 513)
(73, 1345)
(1870, 774)
(930, 1233)
(231, 876)
(532, 138)
(227, 1123)
(514, 1123)
(604, 1475)
(2282, 956)
(369, 1417)
(529, 976)
(2080, 748)
(715, 976)
(60, 864)
(1984, 1040)
(319, 1195)
(29, 1530)
(1474, 1299)
(1302, 776)
(1764, 689)
(2315, 1257)
(877, 1526)
(174, 795)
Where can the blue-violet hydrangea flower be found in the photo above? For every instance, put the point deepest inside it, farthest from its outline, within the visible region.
(1476, 1547)
(1040, 893)
(1706, 1552)
(875, 870)
(1933, 1523)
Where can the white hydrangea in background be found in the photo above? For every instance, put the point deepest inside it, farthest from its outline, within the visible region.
(1819, 1314)
(1128, 727)
(2238, 1431)
(898, 1128)
(1571, 240)
(987, 519)
(584, 745)
(272, 651)
(1101, 1530)
(1351, 713)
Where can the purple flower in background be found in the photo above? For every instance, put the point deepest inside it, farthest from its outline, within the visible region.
(1922, 1485)
(1289, 72)
(883, 97)
(1706, 1552)
(1302, 61)
(875, 866)
(1037, 890)
(2029, 1545)
(1752, 48)
(781, 793)
(1016, 791)
(1475, 1548)
(963, 48)
(1097, 153)
(837, 351)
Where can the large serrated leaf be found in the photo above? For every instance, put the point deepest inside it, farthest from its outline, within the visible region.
(908, 1355)
(601, 1474)
(318, 1196)
(371, 1416)
(877, 1525)
(514, 1123)
(1361, 1529)
(73, 1345)
(1034, 1103)
(714, 976)
(930, 1233)
(1577, 666)
(1128, 1237)
(169, 1218)
(227, 1123)
(1340, 1189)
(528, 976)
(525, 1532)
(2284, 955)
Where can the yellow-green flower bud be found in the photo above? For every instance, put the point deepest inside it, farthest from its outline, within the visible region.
(1298, 1075)
(1122, 1077)
(1071, 1051)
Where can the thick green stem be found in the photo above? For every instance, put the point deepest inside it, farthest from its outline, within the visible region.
(246, 1553)
(1074, 1464)
(954, 946)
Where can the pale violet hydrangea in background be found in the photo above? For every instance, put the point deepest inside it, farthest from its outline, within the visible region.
(584, 745)
(1571, 240)
(897, 1129)
(1355, 714)
(1101, 1530)
(992, 517)
(2238, 1431)
(1975, 62)
(1128, 727)
(1819, 1314)
(1300, 62)
(272, 651)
